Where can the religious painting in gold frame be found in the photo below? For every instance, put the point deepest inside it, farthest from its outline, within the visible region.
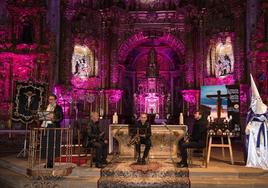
(84, 64)
(220, 58)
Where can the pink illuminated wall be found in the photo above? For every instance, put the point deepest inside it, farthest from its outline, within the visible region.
(20, 67)
(117, 40)
(79, 101)
(191, 101)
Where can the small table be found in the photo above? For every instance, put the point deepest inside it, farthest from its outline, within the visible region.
(222, 145)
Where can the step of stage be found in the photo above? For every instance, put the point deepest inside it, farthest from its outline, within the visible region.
(151, 169)
(233, 172)
(142, 182)
(154, 174)
(220, 175)
(10, 179)
(12, 168)
(216, 182)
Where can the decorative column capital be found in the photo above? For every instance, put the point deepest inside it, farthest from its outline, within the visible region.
(69, 14)
(237, 12)
(264, 5)
(114, 95)
(191, 96)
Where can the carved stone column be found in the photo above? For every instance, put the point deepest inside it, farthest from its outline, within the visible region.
(200, 59)
(53, 15)
(239, 45)
(105, 60)
(116, 33)
(104, 50)
(114, 72)
(251, 26)
(189, 56)
(68, 47)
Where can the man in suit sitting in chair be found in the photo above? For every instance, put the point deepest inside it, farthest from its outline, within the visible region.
(143, 130)
(196, 140)
(96, 140)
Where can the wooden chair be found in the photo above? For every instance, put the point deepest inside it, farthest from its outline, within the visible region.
(204, 150)
(83, 152)
(203, 155)
(92, 151)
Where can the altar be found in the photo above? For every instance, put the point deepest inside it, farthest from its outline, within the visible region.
(164, 140)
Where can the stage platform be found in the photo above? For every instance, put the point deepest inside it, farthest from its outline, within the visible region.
(156, 173)
(219, 174)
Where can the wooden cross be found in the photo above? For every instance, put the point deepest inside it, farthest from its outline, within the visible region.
(219, 101)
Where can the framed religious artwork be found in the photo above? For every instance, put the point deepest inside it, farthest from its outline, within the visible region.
(28, 99)
(84, 62)
(223, 104)
(220, 58)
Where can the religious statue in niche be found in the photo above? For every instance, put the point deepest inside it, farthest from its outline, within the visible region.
(27, 33)
(83, 62)
(220, 58)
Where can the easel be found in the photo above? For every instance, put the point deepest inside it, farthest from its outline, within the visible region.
(23, 152)
(222, 145)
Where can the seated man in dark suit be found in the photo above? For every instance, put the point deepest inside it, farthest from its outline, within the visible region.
(197, 139)
(96, 140)
(143, 130)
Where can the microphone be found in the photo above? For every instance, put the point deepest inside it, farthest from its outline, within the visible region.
(164, 123)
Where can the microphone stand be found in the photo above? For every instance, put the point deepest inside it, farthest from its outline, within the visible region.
(170, 149)
(23, 152)
(64, 103)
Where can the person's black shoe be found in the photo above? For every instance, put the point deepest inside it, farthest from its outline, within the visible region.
(48, 166)
(182, 165)
(143, 162)
(104, 162)
(139, 160)
(99, 165)
(179, 163)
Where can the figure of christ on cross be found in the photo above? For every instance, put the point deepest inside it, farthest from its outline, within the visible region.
(219, 98)
(29, 96)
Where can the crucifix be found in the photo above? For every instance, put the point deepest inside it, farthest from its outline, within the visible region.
(29, 95)
(219, 98)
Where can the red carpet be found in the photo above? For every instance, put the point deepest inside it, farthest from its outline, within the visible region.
(75, 159)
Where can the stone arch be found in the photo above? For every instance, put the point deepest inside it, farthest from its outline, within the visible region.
(170, 60)
(139, 38)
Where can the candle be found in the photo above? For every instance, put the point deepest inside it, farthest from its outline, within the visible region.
(181, 119)
(115, 118)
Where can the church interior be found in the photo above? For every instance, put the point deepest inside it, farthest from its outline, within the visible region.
(121, 59)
